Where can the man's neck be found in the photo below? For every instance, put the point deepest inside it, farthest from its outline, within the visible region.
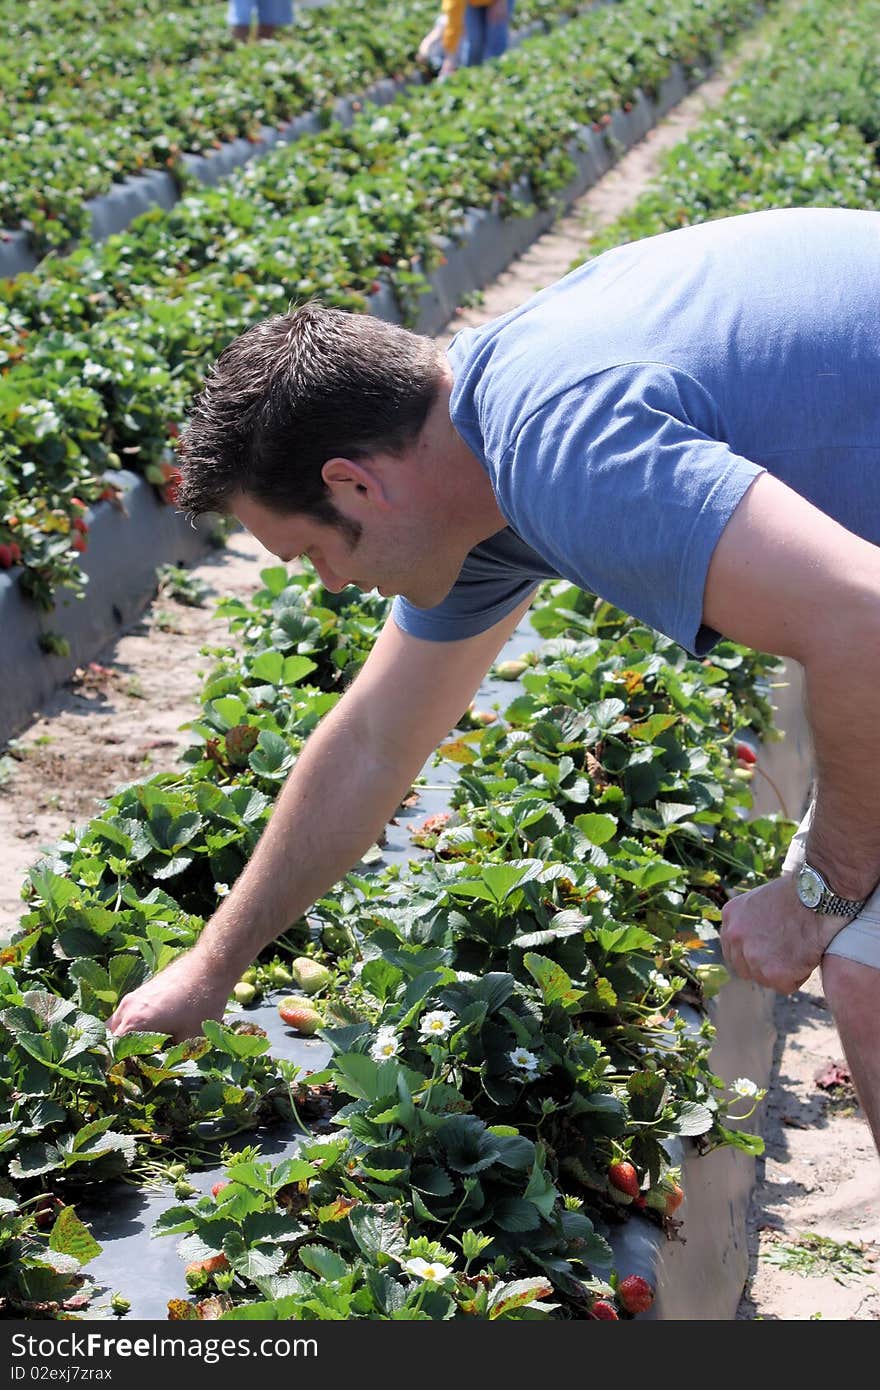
(461, 481)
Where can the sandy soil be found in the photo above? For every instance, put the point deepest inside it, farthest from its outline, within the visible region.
(817, 1204)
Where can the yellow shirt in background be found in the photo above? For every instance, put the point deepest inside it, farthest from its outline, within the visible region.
(453, 13)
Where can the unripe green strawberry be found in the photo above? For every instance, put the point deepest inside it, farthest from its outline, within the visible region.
(335, 938)
(712, 978)
(244, 993)
(309, 974)
(299, 1014)
(279, 974)
(119, 1304)
(635, 1293)
(510, 670)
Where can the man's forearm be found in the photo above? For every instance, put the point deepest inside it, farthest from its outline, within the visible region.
(843, 693)
(334, 805)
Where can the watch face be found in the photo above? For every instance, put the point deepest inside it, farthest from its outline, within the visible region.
(809, 887)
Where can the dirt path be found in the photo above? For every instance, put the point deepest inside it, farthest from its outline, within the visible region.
(121, 721)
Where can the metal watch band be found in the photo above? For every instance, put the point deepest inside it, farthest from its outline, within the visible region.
(830, 905)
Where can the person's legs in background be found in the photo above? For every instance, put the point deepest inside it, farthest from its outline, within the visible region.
(273, 15)
(475, 34)
(238, 18)
(487, 31)
(498, 17)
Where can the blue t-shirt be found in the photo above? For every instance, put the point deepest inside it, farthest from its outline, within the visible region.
(623, 413)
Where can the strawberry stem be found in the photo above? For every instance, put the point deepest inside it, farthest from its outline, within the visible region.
(767, 778)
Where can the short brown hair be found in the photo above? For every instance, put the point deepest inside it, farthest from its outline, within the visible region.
(294, 391)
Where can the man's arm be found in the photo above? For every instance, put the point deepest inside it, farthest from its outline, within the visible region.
(787, 579)
(346, 784)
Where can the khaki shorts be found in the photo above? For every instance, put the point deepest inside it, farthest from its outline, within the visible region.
(859, 940)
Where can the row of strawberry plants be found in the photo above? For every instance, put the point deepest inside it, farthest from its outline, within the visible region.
(501, 1020)
(153, 89)
(103, 350)
(799, 128)
(80, 1107)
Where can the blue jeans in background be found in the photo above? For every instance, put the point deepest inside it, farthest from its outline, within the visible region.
(485, 39)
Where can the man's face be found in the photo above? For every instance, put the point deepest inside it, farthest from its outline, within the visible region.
(395, 552)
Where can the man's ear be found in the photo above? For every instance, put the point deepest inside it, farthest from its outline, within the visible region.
(345, 477)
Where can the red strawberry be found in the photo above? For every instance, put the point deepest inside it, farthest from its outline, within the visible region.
(79, 543)
(5, 557)
(604, 1311)
(635, 1293)
(674, 1198)
(745, 753)
(624, 1178)
(172, 485)
(218, 1188)
(80, 524)
(78, 502)
(15, 552)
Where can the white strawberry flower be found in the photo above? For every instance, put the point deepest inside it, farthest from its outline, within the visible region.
(742, 1086)
(437, 1024)
(432, 1271)
(658, 980)
(524, 1060)
(221, 889)
(387, 1045)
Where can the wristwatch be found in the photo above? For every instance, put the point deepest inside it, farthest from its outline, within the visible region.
(815, 894)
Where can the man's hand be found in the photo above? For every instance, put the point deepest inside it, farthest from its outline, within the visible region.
(176, 1001)
(346, 784)
(768, 936)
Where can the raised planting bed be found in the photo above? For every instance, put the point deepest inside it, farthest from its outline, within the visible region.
(520, 979)
(128, 540)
